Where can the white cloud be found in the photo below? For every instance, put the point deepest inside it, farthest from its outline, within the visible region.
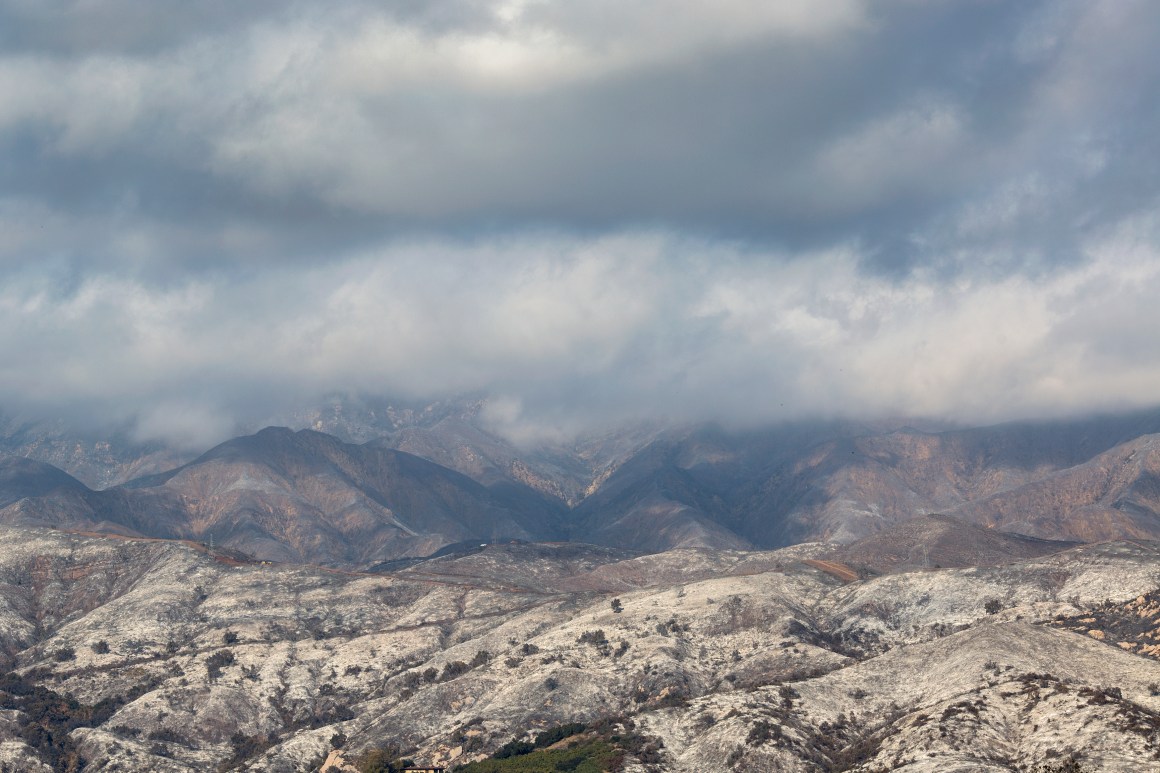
(593, 325)
(589, 208)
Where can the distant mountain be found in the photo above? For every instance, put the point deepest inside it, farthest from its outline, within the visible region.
(298, 496)
(312, 496)
(21, 478)
(98, 458)
(1085, 480)
(1113, 495)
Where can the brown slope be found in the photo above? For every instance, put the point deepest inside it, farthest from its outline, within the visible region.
(20, 478)
(1114, 495)
(286, 496)
(36, 494)
(308, 496)
(861, 482)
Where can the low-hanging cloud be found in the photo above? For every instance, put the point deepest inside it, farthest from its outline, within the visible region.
(588, 210)
(624, 326)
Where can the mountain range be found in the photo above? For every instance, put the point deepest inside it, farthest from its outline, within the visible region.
(424, 479)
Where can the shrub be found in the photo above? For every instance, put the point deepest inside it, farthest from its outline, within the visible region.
(1069, 764)
(992, 606)
(595, 638)
(244, 748)
(454, 669)
(230, 637)
(64, 654)
(167, 735)
(617, 607)
(558, 733)
(761, 732)
(101, 647)
(217, 661)
(513, 749)
(46, 718)
(385, 759)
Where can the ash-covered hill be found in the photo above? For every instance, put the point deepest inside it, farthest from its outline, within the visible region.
(148, 655)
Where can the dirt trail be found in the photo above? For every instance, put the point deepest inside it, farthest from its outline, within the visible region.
(834, 569)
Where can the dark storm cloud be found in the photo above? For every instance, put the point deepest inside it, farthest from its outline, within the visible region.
(870, 122)
(584, 208)
(71, 27)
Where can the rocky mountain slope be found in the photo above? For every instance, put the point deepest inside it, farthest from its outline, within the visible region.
(314, 497)
(281, 495)
(164, 656)
(1084, 481)
(98, 457)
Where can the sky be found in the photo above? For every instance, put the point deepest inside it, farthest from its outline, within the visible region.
(591, 211)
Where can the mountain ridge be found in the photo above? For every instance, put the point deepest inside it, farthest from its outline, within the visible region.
(304, 495)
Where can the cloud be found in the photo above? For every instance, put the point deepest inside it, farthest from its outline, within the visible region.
(589, 210)
(595, 326)
(763, 121)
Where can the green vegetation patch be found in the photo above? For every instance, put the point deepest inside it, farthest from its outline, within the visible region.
(592, 756)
